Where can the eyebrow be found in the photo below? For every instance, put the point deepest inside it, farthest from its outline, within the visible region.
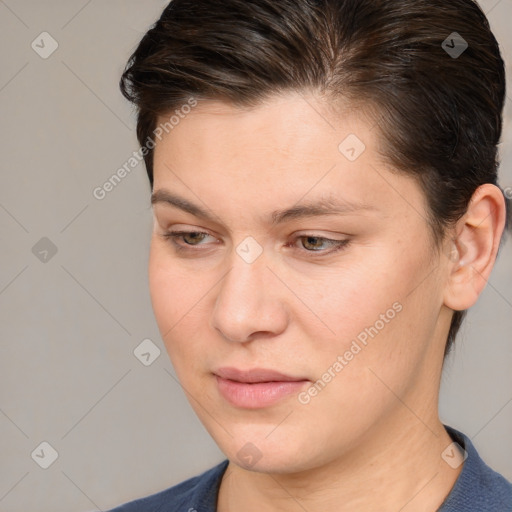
(324, 206)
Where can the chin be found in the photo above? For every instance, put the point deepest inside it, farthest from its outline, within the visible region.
(282, 455)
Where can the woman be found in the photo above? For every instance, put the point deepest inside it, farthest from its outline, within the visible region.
(326, 208)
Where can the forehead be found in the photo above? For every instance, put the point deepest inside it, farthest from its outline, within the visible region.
(286, 122)
(287, 132)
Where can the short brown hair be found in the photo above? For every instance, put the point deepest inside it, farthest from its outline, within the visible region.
(440, 114)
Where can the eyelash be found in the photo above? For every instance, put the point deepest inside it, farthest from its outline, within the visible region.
(173, 236)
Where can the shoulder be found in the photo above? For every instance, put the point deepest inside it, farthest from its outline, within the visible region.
(478, 488)
(195, 494)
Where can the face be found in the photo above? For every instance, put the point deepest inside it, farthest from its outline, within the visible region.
(293, 280)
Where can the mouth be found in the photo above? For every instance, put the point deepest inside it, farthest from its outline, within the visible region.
(256, 388)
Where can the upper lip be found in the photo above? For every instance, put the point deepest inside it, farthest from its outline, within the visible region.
(253, 375)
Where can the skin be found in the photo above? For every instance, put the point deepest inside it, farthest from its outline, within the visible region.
(371, 439)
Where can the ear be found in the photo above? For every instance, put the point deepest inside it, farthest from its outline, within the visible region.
(475, 246)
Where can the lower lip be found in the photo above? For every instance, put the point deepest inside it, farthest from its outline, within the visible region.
(257, 395)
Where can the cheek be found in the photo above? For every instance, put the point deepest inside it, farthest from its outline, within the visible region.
(174, 293)
(181, 304)
(353, 296)
(374, 307)
(382, 334)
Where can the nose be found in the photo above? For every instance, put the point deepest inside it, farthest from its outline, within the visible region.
(250, 302)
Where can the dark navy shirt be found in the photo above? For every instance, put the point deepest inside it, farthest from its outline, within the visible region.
(477, 489)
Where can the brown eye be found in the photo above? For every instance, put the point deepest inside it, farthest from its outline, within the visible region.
(183, 239)
(312, 243)
(194, 236)
(321, 244)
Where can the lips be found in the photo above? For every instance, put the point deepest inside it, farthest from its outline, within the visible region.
(257, 387)
(255, 375)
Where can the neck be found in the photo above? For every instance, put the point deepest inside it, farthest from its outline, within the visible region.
(396, 466)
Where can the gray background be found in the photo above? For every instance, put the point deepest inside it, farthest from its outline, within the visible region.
(69, 325)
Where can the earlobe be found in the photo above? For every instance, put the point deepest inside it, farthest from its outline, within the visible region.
(474, 247)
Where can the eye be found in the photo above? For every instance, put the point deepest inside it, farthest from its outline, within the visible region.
(189, 238)
(312, 243)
